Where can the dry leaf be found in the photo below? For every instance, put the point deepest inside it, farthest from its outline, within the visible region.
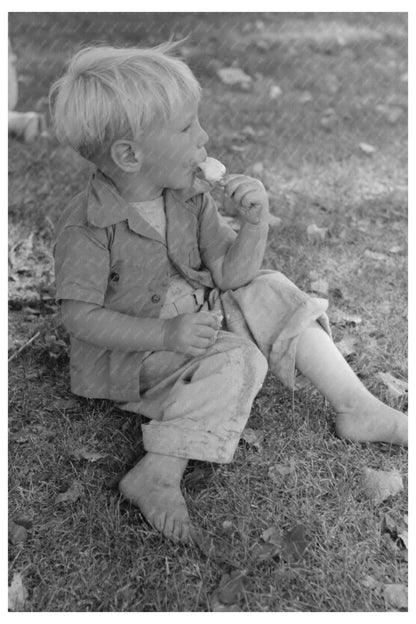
(396, 249)
(380, 484)
(375, 255)
(253, 437)
(66, 404)
(17, 533)
(294, 544)
(396, 595)
(346, 345)
(231, 587)
(367, 149)
(272, 535)
(316, 234)
(72, 494)
(214, 548)
(340, 317)
(370, 582)
(404, 536)
(279, 472)
(274, 222)
(17, 593)
(396, 387)
(275, 92)
(233, 76)
(83, 453)
(262, 552)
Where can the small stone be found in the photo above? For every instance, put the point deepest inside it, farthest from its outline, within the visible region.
(275, 92)
(305, 97)
(316, 234)
(367, 149)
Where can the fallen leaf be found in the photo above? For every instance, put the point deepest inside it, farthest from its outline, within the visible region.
(83, 453)
(339, 317)
(72, 494)
(231, 587)
(396, 249)
(404, 537)
(316, 234)
(346, 345)
(320, 286)
(328, 119)
(253, 437)
(17, 533)
(17, 593)
(227, 526)
(380, 484)
(279, 472)
(262, 552)
(294, 544)
(214, 548)
(375, 255)
(367, 149)
(233, 76)
(305, 97)
(274, 222)
(275, 92)
(257, 168)
(396, 387)
(370, 582)
(272, 535)
(388, 524)
(396, 595)
(66, 404)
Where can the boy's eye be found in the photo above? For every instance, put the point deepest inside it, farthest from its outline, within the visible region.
(187, 127)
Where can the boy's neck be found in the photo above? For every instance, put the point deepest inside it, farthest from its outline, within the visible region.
(132, 188)
(136, 190)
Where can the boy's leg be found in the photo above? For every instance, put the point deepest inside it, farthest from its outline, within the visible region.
(201, 410)
(361, 417)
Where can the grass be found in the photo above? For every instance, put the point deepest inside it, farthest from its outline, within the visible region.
(97, 554)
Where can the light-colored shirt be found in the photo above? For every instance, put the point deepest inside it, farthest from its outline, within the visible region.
(107, 254)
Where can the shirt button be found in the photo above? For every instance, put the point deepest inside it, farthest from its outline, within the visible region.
(156, 298)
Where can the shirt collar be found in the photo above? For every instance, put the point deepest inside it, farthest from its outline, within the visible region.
(106, 206)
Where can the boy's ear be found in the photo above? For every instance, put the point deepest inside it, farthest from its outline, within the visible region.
(126, 156)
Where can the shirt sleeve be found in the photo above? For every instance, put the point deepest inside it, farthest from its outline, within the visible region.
(82, 266)
(215, 235)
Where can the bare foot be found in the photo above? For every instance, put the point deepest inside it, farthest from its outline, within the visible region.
(372, 421)
(153, 485)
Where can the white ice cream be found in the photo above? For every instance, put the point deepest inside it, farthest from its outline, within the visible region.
(212, 169)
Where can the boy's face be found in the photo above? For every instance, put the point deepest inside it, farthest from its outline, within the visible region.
(171, 150)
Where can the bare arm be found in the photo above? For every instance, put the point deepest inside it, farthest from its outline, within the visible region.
(244, 257)
(191, 334)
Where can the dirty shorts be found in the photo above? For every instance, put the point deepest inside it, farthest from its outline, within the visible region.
(200, 406)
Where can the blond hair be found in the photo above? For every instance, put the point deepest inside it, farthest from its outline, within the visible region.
(108, 93)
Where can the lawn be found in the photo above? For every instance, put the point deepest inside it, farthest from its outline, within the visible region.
(288, 526)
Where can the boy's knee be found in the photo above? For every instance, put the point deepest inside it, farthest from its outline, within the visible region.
(253, 361)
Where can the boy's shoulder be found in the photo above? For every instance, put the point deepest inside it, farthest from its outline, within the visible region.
(75, 215)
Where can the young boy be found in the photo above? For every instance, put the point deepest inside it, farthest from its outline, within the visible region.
(168, 311)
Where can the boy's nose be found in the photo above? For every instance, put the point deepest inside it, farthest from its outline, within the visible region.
(203, 138)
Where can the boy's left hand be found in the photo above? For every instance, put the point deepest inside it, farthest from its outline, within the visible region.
(250, 196)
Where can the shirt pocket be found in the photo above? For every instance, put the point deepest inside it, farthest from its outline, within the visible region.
(128, 283)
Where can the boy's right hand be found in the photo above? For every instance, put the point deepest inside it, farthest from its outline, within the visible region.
(191, 334)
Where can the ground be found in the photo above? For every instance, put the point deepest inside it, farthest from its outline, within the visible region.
(330, 144)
